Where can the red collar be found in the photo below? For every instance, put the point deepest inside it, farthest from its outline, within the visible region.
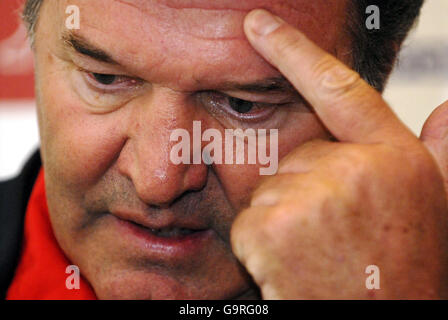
(41, 271)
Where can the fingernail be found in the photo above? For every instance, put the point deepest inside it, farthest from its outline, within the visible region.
(263, 22)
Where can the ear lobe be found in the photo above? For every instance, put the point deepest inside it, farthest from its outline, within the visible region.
(435, 137)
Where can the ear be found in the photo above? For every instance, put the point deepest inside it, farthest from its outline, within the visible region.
(435, 136)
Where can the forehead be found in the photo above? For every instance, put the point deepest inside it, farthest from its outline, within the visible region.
(179, 36)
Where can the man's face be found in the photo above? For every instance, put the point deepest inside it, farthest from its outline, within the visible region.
(106, 139)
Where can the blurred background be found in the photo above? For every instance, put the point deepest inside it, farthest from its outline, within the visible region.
(418, 85)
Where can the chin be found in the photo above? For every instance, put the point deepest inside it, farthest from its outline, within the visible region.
(156, 286)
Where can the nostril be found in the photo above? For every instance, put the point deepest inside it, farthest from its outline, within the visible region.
(196, 177)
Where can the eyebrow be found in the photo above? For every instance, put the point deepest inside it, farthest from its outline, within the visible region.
(269, 85)
(82, 46)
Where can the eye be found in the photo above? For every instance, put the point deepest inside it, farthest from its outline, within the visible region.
(105, 79)
(234, 112)
(109, 80)
(247, 110)
(105, 92)
(240, 106)
(223, 105)
(111, 83)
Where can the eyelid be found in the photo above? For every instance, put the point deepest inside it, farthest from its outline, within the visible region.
(269, 117)
(267, 99)
(88, 75)
(88, 63)
(219, 102)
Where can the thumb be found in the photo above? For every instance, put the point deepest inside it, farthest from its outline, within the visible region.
(435, 137)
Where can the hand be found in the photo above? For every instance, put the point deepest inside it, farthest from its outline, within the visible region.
(435, 137)
(375, 197)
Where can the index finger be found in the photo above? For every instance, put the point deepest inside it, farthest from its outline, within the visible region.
(351, 110)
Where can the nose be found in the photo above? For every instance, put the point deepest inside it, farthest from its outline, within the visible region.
(145, 157)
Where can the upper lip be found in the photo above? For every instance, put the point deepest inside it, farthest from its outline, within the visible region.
(168, 220)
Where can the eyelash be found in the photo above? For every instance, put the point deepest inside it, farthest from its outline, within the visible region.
(92, 79)
(218, 102)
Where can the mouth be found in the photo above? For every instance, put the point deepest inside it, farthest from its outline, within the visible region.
(173, 232)
(173, 241)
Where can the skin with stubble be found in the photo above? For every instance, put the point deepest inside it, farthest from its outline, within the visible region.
(354, 188)
(106, 151)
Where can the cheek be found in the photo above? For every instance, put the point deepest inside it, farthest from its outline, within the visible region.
(302, 127)
(239, 181)
(77, 146)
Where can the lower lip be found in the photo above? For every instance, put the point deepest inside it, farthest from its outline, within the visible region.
(161, 247)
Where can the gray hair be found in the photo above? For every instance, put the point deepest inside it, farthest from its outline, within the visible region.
(30, 16)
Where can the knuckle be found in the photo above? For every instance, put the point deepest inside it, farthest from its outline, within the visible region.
(289, 215)
(335, 79)
(291, 222)
(288, 46)
(294, 218)
(275, 226)
(272, 189)
(303, 158)
(264, 192)
(355, 161)
(410, 157)
(422, 165)
(422, 159)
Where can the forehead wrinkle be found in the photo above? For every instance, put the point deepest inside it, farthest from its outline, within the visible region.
(129, 3)
(212, 20)
(202, 24)
(167, 5)
(245, 5)
(153, 37)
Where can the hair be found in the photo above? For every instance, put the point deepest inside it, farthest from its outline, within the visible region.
(374, 52)
(30, 16)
